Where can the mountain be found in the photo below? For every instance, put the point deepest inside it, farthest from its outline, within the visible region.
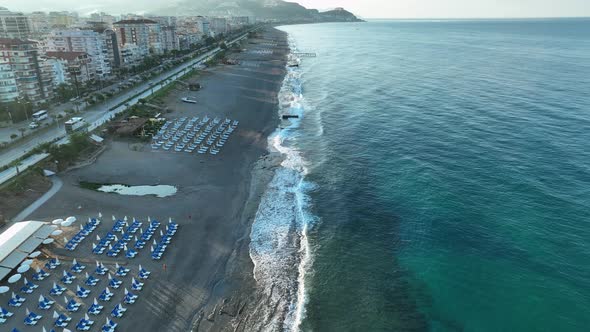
(276, 10)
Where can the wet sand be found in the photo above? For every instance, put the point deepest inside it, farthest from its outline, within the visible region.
(208, 262)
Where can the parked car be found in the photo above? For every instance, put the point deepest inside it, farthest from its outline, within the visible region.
(33, 125)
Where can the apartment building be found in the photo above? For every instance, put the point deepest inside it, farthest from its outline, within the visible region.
(24, 61)
(143, 33)
(71, 67)
(94, 44)
(14, 25)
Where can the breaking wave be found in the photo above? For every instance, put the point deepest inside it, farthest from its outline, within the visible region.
(279, 245)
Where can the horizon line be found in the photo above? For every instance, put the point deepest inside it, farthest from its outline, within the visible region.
(477, 18)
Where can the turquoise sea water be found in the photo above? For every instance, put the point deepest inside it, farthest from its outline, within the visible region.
(448, 170)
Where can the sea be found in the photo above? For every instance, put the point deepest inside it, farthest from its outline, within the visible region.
(437, 179)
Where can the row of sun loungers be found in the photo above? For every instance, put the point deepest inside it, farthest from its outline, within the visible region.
(82, 234)
(160, 247)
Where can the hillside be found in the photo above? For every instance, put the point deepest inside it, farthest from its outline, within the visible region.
(276, 10)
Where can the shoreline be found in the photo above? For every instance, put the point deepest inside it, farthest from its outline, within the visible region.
(209, 275)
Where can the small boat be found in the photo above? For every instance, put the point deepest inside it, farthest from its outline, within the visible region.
(188, 100)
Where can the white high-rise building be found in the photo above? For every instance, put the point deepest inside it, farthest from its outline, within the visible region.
(14, 25)
(87, 41)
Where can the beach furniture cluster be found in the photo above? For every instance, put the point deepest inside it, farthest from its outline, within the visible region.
(113, 243)
(62, 316)
(203, 135)
(83, 295)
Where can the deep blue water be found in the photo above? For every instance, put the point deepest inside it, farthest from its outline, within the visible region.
(448, 170)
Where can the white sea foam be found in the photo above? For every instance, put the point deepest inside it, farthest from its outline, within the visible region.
(279, 239)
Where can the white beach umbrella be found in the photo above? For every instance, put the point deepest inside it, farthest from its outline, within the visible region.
(125, 247)
(116, 239)
(27, 262)
(35, 254)
(95, 302)
(66, 299)
(23, 268)
(86, 317)
(74, 262)
(57, 232)
(100, 215)
(155, 243)
(55, 314)
(81, 227)
(116, 265)
(136, 238)
(125, 218)
(4, 289)
(114, 218)
(53, 227)
(57, 221)
(57, 260)
(14, 278)
(149, 219)
(41, 298)
(93, 245)
(37, 269)
(71, 219)
(28, 312)
(65, 239)
(48, 241)
(86, 275)
(97, 238)
(67, 223)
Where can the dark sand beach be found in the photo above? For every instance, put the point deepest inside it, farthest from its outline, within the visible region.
(208, 276)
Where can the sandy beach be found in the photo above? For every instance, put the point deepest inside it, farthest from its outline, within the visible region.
(207, 280)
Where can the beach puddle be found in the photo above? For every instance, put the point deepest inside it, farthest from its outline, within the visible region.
(160, 191)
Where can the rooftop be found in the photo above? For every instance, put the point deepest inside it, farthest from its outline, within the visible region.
(69, 56)
(15, 41)
(140, 21)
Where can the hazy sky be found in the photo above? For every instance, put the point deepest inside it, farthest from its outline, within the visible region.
(364, 8)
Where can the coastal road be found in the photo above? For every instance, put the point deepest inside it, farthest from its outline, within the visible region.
(24, 165)
(57, 184)
(101, 113)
